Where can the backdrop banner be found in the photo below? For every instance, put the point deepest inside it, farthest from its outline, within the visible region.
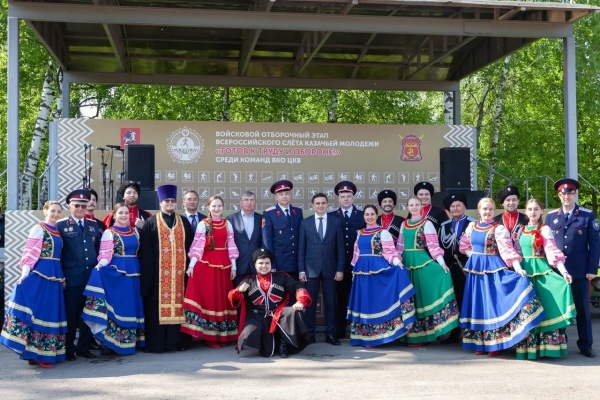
(227, 158)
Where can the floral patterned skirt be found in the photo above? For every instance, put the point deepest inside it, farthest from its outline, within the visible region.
(545, 344)
(114, 310)
(436, 307)
(35, 325)
(381, 307)
(208, 313)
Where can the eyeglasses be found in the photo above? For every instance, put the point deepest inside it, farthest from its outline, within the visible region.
(79, 205)
(170, 201)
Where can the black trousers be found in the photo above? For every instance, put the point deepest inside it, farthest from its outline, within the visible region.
(74, 303)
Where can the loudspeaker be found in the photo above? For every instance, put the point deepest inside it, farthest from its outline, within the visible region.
(473, 197)
(139, 165)
(148, 200)
(455, 168)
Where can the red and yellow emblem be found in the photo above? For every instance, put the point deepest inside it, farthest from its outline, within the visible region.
(411, 149)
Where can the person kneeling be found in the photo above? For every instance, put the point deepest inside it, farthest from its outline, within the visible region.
(265, 321)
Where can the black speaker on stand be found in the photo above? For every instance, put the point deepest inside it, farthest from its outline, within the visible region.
(139, 165)
(455, 168)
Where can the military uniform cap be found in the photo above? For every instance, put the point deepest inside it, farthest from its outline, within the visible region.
(262, 253)
(281, 186)
(345, 186)
(451, 198)
(507, 191)
(424, 185)
(79, 195)
(566, 185)
(385, 194)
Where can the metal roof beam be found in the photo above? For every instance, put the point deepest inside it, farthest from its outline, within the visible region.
(289, 83)
(113, 32)
(251, 38)
(319, 39)
(49, 35)
(463, 43)
(197, 18)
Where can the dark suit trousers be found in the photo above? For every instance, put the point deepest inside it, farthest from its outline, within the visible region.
(74, 303)
(312, 285)
(581, 298)
(343, 288)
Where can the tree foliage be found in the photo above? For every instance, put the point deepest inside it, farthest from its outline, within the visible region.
(529, 150)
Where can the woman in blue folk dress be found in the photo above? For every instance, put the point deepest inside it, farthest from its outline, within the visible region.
(500, 305)
(540, 254)
(381, 307)
(435, 301)
(113, 308)
(35, 325)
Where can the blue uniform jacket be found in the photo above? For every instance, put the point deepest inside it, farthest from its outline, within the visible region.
(350, 228)
(578, 239)
(281, 238)
(80, 249)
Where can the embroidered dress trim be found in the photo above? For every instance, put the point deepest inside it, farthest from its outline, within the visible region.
(171, 271)
(507, 313)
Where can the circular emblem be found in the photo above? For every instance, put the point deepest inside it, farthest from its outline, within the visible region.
(185, 145)
(596, 225)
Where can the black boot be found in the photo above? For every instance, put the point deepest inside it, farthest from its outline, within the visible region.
(283, 350)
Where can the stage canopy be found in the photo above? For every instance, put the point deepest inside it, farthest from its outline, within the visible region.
(343, 44)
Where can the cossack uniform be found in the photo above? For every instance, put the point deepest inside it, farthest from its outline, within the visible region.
(577, 236)
(281, 232)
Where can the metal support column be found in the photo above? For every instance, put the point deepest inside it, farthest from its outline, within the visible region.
(457, 109)
(570, 107)
(12, 145)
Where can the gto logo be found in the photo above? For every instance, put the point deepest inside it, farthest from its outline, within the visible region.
(185, 145)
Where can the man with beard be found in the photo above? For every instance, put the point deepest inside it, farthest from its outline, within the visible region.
(388, 220)
(165, 241)
(351, 219)
(511, 218)
(449, 238)
(91, 207)
(130, 192)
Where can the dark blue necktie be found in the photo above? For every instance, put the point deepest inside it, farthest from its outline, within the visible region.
(320, 229)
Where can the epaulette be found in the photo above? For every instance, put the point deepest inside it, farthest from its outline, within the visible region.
(270, 208)
(553, 211)
(585, 209)
(63, 219)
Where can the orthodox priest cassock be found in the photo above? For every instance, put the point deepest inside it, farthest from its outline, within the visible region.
(165, 240)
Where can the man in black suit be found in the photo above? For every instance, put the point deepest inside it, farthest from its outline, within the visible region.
(81, 242)
(321, 262)
(247, 234)
(351, 220)
(190, 205)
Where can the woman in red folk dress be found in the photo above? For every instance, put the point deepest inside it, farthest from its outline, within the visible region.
(209, 315)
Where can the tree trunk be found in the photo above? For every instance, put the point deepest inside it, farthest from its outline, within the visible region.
(39, 135)
(449, 108)
(56, 114)
(226, 105)
(333, 104)
(497, 125)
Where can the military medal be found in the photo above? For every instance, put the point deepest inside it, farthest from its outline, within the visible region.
(71, 229)
(555, 221)
(579, 231)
